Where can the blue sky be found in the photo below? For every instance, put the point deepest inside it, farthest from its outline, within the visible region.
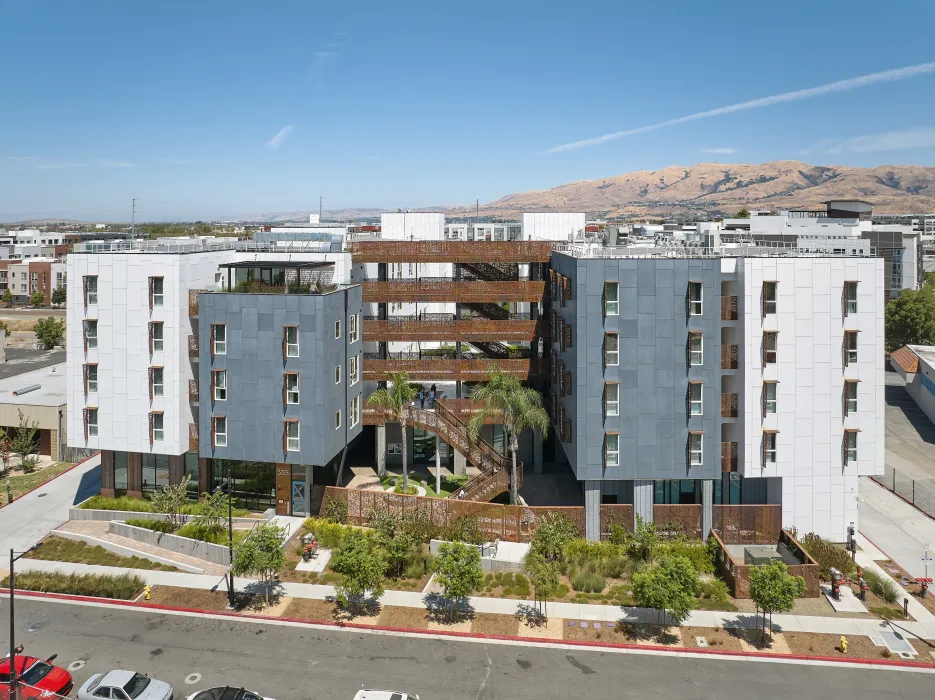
(218, 109)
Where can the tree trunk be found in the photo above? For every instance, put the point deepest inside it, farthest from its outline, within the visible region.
(514, 446)
(402, 425)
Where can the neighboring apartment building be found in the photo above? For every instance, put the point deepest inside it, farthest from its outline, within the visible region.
(916, 364)
(23, 277)
(741, 378)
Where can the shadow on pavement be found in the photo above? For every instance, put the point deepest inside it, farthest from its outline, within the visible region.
(90, 485)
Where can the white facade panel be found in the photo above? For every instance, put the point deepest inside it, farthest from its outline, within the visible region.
(412, 226)
(559, 226)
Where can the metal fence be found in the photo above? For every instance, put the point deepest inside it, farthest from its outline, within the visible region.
(918, 492)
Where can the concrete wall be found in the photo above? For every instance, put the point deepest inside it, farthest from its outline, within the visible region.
(214, 553)
(255, 370)
(125, 551)
(108, 515)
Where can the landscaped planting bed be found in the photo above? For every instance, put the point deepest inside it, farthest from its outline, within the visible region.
(144, 505)
(63, 549)
(120, 587)
(21, 483)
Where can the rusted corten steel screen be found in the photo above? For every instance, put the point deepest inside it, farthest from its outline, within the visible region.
(445, 289)
(454, 370)
(451, 330)
(451, 251)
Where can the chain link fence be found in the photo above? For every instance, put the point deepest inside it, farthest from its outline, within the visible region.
(918, 492)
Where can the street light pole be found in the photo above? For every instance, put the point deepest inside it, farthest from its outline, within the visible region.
(13, 647)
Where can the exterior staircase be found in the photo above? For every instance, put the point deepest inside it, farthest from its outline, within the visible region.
(492, 349)
(494, 312)
(493, 272)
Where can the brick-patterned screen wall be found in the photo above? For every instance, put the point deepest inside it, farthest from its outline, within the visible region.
(686, 517)
(620, 515)
(747, 524)
(737, 576)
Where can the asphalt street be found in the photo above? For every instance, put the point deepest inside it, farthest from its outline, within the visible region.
(291, 662)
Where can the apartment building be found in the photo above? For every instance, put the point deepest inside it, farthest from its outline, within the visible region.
(743, 376)
(23, 277)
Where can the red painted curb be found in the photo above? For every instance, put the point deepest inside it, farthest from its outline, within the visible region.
(474, 635)
(36, 488)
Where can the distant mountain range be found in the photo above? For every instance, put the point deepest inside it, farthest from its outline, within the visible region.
(716, 189)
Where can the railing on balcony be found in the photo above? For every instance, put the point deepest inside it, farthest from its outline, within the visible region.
(729, 357)
(442, 327)
(193, 301)
(193, 347)
(442, 289)
(193, 391)
(380, 251)
(729, 403)
(728, 308)
(728, 456)
(193, 437)
(447, 353)
(476, 370)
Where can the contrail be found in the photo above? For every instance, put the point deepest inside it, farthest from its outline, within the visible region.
(838, 86)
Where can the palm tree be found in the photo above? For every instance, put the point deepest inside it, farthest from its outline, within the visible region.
(396, 399)
(519, 407)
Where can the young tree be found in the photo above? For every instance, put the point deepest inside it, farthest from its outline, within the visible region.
(170, 500)
(543, 575)
(742, 214)
(644, 541)
(395, 543)
(261, 555)
(212, 511)
(395, 400)
(8, 298)
(37, 298)
(458, 572)
(49, 332)
(362, 567)
(24, 443)
(59, 295)
(668, 585)
(910, 318)
(5, 451)
(553, 532)
(519, 407)
(773, 589)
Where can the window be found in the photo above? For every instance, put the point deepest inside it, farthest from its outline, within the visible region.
(157, 329)
(91, 371)
(90, 290)
(611, 450)
(219, 338)
(695, 349)
(157, 379)
(769, 347)
(694, 399)
(337, 330)
(769, 398)
(292, 388)
(158, 427)
(769, 448)
(337, 420)
(292, 436)
(337, 374)
(611, 349)
(220, 431)
(850, 398)
(352, 329)
(850, 297)
(850, 345)
(850, 443)
(769, 298)
(292, 341)
(354, 410)
(156, 291)
(611, 399)
(695, 449)
(611, 301)
(353, 375)
(220, 385)
(694, 298)
(91, 419)
(90, 334)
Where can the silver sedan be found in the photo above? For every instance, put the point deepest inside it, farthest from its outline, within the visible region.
(124, 685)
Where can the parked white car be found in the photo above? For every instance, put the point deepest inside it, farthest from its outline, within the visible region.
(383, 695)
(124, 685)
(226, 693)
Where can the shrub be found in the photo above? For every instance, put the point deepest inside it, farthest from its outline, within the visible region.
(520, 586)
(618, 567)
(619, 534)
(715, 591)
(120, 587)
(335, 511)
(582, 551)
(330, 535)
(553, 533)
(588, 580)
(882, 586)
(696, 551)
(154, 525)
(214, 534)
(121, 503)
(561, 590)
(827, 555)
(465, 529)
(418, 524)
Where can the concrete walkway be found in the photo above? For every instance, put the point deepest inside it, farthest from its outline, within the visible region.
(30, 518)
(923, 627)
(900, 530)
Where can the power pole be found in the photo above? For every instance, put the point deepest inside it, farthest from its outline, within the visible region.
(319, 209)
(133, 221)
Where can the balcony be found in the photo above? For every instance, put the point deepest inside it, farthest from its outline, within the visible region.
(193, 437)
(728, 456)
(729, 403)
(193, 391)
(463, 409)
(729, 357)
(441, 369)
(444, 327)
(445, 289)
(728, 308)
(193, 347)
(450, 251)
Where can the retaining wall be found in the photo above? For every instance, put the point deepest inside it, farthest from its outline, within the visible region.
(214, 553)
(108, 515)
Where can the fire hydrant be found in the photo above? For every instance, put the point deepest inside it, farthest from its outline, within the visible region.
(147, 588)
(843, 644)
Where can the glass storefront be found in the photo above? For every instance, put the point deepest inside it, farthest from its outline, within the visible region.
(730, 490)
(120, 472)
(423, 446)
(155, 472)
(191, 470)
(254, 483)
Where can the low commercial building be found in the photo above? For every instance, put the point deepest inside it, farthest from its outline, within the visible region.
(916, 364)
(36, 398)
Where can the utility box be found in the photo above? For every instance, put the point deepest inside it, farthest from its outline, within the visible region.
(760, 554)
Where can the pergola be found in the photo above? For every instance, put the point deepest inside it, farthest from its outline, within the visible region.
(277, 272)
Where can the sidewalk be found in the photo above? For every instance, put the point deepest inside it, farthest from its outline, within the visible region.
(924, 626)
(896, 527)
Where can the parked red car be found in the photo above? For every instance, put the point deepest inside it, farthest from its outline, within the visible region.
(39, 674)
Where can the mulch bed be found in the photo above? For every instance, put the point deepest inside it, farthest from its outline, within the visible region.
(201, 599)
(913, 588)
(307, 609)
(490, 623)
(410, 618)
(719, 640)
(858, 646)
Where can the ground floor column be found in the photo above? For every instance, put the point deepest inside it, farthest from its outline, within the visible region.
(381, 450)
(107, 473)
(643, 500)
(537, 452)
(205, 466)
(592, 510)
(707, 507)
(134, 475)
(460, 464)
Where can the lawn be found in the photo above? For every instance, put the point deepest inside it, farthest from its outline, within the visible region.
(23, 483)
(62, 549)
